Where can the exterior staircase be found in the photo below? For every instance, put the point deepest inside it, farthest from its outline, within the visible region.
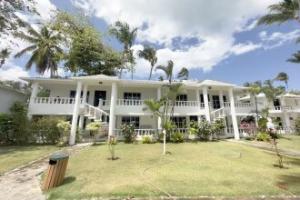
(218, 114)
(95, 113)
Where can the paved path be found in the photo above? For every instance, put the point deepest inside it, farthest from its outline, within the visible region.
(24, 183)
(268, 147)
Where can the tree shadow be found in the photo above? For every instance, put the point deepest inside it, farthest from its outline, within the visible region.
(285, 181)
(68, 180)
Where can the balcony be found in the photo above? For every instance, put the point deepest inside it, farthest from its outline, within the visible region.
(52, 106)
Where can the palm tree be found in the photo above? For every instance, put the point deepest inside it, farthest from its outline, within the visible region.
(281, 12)
(45, 49)
(126, 35)
(282, 76)
(254, 89)
(295, 58)
(183, 74)
(168, 70)
(4, 54)
(149, 54)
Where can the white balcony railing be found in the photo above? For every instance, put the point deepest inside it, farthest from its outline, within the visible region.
(54, 100)
(132, 102)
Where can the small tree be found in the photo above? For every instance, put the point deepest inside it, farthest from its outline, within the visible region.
(217, 127)
(297, 125)
(128, 132)
(64, 128)
(94, 128)
(112, 142)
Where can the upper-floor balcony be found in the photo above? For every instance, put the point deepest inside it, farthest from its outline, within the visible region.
(65, 105)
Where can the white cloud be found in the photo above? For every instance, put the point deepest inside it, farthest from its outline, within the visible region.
(12, 72)
(242, 48)
(213, 22)
(277, 39)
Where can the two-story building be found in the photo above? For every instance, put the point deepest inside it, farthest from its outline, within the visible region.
(116, 101)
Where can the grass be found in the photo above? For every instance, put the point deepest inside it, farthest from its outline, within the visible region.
(15, 156)
(192, 169)
(291, 142)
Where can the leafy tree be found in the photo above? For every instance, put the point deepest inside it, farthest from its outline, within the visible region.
(168, 70)
(295, 58)
(126, 35)
(149, 54)
(282, 76)
(4, 54)
(87, 54)
(9, 21)
(183, 74)
(45, 48)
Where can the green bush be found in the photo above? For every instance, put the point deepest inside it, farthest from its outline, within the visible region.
(147, 139)
(262, 124)
(263, 136)
(128, 133)
(177, 137)
(46, 130)
(297, 125)
(20, 124)
(5, 128)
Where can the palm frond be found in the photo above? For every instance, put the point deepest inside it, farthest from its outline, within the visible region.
(183, 74)
(30, 48)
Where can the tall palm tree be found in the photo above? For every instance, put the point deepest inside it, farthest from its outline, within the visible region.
(45, 49)
(126, 35)
(254, 89)
(282, 76)
(183, 74)
(168, 70)
(149, 54)
(281, 12)
(4, 54)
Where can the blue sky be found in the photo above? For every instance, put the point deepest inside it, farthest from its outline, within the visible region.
(214, 40)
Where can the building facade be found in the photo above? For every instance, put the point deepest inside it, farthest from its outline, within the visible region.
(8, 96)
(116, 101)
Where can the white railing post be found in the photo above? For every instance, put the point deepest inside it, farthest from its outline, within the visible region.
(75, 114)
(158, 98)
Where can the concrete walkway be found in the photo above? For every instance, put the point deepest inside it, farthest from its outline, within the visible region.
(24, 183)
(268, 147)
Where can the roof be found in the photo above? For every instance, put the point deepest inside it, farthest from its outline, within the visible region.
(6, 87)
(102, 77)
(289, 95)
(247, 97)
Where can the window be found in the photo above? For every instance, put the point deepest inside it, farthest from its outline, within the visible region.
(181, 97)
(132, 95)
(224, 99)
(216, 102)
(180, 122)
(193, 118)
(73, 94)
(131, 120)
(201, 98)
(276, 102)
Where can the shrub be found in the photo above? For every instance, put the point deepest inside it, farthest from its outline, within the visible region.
(204, 130)
(20, 124)
(217, 127)
(64, 128)
(263, 136)
(5, 128)
(297, 125)
(147, 139)
(128, 133)
(262, 124)
(177, 137)
(46, 130)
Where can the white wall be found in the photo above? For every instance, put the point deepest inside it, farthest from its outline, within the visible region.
(8, 97)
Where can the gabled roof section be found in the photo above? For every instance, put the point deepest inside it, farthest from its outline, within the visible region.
(95, 77)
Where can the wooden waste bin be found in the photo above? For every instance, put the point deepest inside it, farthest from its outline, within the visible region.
(56, 170)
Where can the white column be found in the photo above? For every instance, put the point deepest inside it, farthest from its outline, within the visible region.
(113, 101)
(206, 105)
(75, 114)
(84, 95)
(221, 98)
(158, 98)
(34, 92)
(233, 115)
(286, 116)
(198, 100)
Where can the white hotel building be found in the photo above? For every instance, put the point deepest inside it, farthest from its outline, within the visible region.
(115, 101)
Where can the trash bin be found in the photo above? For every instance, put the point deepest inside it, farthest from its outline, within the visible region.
(56, 170)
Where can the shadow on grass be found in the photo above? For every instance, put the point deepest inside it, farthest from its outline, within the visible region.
(69, 179)
(286, 181)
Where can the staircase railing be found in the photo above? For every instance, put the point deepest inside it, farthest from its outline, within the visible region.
(95, 113)
(217, 114)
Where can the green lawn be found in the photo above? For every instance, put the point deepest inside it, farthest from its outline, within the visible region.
(291, 142)
(192, 169)
(15, 156)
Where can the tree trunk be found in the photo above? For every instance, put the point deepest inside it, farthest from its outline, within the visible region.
(150, 75)
(256, 111)
(164, 144)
